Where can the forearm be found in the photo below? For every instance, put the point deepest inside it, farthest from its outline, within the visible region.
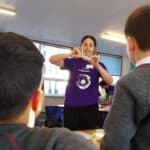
(58, 58)
(104, 74)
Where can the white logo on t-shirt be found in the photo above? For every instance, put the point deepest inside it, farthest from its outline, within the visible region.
(84, 81)
(89, 66)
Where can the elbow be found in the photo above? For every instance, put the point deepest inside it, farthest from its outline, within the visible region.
(110, 80)
(55, 61)
(51, 60)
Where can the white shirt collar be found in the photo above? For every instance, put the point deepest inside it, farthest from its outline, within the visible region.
(145, 60)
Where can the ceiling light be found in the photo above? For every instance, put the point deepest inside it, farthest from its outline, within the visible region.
(114, 36)
(8, 11)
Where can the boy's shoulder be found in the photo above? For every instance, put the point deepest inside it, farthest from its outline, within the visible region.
(63, 138)
(135, 81)
(139, 74)
(45, 138)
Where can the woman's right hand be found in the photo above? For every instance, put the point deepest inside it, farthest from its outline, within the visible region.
(76, 53)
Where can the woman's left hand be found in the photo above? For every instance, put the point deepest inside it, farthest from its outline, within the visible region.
(95, 60)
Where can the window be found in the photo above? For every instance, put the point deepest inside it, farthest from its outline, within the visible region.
(113, 64)
(55, 79)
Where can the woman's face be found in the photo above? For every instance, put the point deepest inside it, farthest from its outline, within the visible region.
(88, 47)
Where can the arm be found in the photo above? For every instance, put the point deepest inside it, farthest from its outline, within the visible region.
(104, 74)
(58, 59)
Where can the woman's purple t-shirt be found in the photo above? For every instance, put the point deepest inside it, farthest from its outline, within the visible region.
(82, 88)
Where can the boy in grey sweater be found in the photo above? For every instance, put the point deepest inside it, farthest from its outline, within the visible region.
(21, 99)
(127, 126)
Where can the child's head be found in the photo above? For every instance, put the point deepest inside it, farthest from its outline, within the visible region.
(103, 84)
(20, 74)
(137, 31)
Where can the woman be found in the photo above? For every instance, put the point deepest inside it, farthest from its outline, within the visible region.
(81, 97)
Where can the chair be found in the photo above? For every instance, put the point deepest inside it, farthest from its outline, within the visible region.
(54, 116)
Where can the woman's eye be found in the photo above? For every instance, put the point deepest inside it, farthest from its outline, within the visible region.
(91, 45)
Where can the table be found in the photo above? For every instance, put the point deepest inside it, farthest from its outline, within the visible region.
(93, 136)
(106, 108)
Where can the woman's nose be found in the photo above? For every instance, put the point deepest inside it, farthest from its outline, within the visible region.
(87, 47)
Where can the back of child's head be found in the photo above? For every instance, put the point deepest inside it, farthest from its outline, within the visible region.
(102, 83)
(20, 74)
(138, 26)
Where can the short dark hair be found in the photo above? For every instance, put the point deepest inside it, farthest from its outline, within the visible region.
(20, 73)
(102, 83)
(138, 26)
(89, 37)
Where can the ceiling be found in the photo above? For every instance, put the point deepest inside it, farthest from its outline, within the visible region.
(66, 21)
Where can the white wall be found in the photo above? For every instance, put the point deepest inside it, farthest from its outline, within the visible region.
(53, 101)
(125, 65)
